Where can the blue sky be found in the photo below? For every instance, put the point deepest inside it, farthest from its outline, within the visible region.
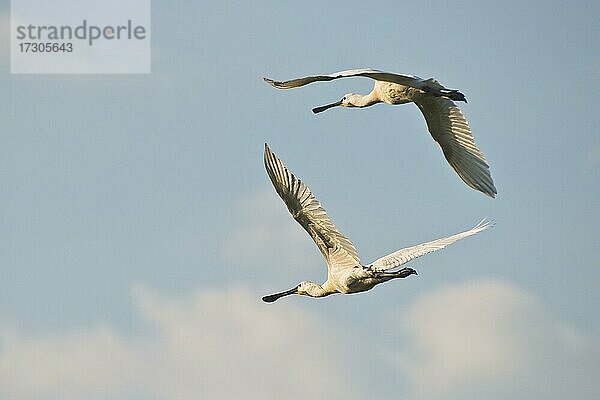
(139, 229)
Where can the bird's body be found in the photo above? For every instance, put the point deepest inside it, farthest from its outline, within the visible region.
(392, 93)
(345, 272)
(445, 121)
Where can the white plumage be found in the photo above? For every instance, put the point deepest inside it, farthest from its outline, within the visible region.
(345, 272)
(445, 121)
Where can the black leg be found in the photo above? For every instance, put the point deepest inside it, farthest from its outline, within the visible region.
(405, 273)
(402, 273)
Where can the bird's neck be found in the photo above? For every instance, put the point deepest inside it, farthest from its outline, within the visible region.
(316, 290)
(368, 99)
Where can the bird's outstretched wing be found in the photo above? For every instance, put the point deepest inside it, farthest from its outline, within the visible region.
(451, 131)
(403, 256)
(402, 79)
(338, 250)
(427, 85)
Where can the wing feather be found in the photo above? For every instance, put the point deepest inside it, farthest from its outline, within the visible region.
(337, 249)
(450, 130)
(401, 79)
(405, 255)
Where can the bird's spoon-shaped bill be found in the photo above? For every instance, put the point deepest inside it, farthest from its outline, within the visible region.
(272, 297)
(317, 110)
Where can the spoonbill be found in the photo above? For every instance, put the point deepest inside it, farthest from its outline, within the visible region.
(345, 273)
(445, 121)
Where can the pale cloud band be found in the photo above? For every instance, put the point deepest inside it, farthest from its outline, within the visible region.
(212, 344)
(489, 339)
(464, 341)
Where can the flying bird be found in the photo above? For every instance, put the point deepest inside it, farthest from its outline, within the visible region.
(445, 121)
(345, 272)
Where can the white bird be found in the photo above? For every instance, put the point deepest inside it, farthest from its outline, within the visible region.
(345, 272)
(444, 119)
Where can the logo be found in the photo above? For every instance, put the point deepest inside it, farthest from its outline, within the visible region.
(80, 36)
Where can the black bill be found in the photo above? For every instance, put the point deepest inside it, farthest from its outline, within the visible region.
(317, 110)
(272, 297)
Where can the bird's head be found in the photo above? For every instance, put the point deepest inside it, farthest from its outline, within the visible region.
(304, 288)
(349, 100)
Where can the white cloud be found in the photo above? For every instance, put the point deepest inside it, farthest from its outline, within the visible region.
(476, 340)
(265, 234)
(69, 366)
(493, 340)
(210, 345)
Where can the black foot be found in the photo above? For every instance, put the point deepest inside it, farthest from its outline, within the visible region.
(406, 272)
(456, 96)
